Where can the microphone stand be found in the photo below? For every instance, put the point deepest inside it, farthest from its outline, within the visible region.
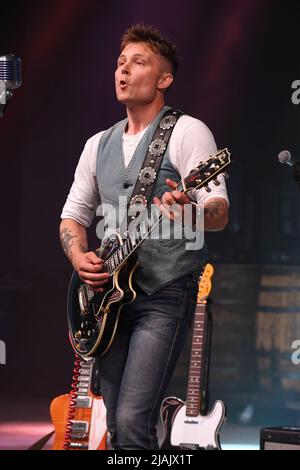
(5, 96)
(297, 173)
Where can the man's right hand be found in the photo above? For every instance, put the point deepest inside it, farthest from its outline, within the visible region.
(89, 267)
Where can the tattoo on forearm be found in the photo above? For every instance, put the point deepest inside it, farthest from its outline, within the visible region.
(67, 239)
(215, 208)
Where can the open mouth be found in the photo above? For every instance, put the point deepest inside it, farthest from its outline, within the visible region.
(123, 84)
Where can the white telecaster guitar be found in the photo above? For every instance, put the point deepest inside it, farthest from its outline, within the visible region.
(185, 425)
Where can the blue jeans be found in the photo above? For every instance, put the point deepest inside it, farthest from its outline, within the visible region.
(136, 370)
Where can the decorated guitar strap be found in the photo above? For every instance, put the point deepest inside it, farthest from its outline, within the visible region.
(145, 183)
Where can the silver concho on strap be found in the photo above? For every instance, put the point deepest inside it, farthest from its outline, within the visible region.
(138, 201)
(167, 122)
(147, 176)
(157, 147)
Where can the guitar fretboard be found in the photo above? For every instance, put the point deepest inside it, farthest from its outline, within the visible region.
(193, 398)
(132, 242)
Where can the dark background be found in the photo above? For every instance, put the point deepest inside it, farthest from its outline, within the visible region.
(239, 59)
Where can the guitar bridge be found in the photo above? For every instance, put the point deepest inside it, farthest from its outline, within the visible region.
(189, 447)
(85, 295)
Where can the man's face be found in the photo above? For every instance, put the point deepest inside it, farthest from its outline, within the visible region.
(139, 74)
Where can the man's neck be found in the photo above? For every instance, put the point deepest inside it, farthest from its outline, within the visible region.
(139, 117)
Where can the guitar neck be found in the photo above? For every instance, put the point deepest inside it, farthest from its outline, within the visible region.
(196, 369)
(198, 178)
(133, 241)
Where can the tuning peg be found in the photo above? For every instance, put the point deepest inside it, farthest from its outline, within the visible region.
(207, 188)
(192, 171)
(216, 182)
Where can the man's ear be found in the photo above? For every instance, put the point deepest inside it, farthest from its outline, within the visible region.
(165, 81)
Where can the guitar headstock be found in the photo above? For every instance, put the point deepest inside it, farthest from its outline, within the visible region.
(207, 171)
(205, 283)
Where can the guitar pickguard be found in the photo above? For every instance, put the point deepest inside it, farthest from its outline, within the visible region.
(200, 430)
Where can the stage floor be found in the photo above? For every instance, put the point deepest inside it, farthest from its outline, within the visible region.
(22, 435)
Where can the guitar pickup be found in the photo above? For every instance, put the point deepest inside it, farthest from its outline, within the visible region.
(83, 402)
(78, 445)
(78, 435)
(80, 427)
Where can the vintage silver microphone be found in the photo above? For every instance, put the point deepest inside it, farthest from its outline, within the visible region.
(10, 78)
(285, 157)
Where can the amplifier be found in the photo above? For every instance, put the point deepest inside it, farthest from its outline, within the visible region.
(280, 438)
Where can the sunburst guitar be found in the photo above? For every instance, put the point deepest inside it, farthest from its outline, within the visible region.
(185, 424)
(79, 417)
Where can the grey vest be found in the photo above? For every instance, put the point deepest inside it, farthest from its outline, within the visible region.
(160, 260)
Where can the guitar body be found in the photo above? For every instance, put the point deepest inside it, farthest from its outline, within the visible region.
(201, 431)
(169, 409)
(95, 416)
(183, 432)
(59, 409)
(93, 317)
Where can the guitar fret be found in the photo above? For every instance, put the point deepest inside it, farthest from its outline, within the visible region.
(116, 261)
(112, 263)
(145, 228)
(119, 256)
(107, 266)
(110, 266)
(125, 249)
(138, 236)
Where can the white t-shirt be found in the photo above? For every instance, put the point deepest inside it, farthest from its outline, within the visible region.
(190, 143)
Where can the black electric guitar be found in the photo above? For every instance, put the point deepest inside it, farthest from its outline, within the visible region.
(185, 424)
(93, 317)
